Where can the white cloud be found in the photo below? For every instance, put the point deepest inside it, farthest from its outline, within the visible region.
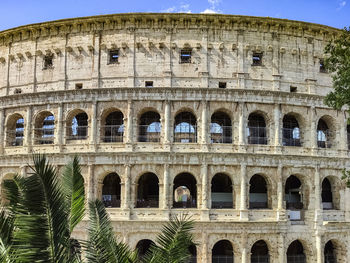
(209, 11)
(341, 4)
(214, 2)
(183, 8)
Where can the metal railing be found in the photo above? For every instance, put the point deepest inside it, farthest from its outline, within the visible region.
(77, 132)
(222, 259)
(221, 134)
(44, 135)
(291, 137)
(112, 133)
(15, 138)
(256, 135)
(324, 138)
(148, 133)
(221, 204)
(185, 137)
(298, 258)
(259, 258)
(257, 205)
(187, 204)
(141, 203)
(111, 200)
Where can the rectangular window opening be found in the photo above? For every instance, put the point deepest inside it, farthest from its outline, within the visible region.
(257, 59)
(148, 84)
(185, 56)
(293, 89)
(78, 85)
(222, 85)
(48, 62)
(113, 56)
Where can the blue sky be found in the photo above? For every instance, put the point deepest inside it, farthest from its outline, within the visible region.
(334, 13)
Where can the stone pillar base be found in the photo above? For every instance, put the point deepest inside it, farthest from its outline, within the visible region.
(243, 215)
(205, 215)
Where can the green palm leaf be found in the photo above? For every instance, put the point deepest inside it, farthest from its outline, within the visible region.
(102, 246)
(173, 243)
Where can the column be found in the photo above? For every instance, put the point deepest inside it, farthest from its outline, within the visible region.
(127, 189)
(240, 60)
(204, 65)
(28, 128)
(165, 198)
(281, 250)
(318, 247)
(129, 132)
(343, 136)
(245, 256)
(204, 172)
(60, 130)
(204, 256)
(2, 131)
(318, 210)
(167, 122)
(243, 205)
(131, 57)
(93, 123)
(313, 131)
(241, 125)
(277, 120)
(167, 60)
(90, 185)
(95, 52)
(279, 188)
(204, 122)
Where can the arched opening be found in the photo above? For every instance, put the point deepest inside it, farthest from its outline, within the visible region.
(15, 130)
(113, 128)
(185, 191)
(149, 127)
(185, 130)
(221, 191)
(220, 128)
(295, 253)
(148, 191)
(111, 190)
(222, 252)
(327, 195)
(143, 246)
(330, 255)
(258, 198)
(193, 251)
(256, 131)
(260, 252)
(44, 130)
(323, 135)
(293, 193)
(290, 131)
(78, 128)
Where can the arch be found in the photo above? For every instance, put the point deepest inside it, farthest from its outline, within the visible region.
(325, 132)
(185, 128)
(222, 252)
(185, 191)
(290, 131)
(143, 246)
(112, 128)
(258, 194)
(44, 128)
(15, 130)
(148, 191)
(256, 132)
(149, 127)
(326, 194)
(221, 191)
(260, 252)
(295, 253)
(77, 126)
(220, 128)
(111, 190)
(293, 193)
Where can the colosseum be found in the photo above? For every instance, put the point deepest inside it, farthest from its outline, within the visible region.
(217, 116)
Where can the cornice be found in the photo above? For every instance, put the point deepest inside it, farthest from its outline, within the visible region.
(162, 93)
(166, 21)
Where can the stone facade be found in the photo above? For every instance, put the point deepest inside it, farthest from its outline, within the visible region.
(157, 101)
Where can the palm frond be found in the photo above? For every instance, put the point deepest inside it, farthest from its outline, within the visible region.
(172, 245)
(6, 231)
(102, 246)
(73, 188)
